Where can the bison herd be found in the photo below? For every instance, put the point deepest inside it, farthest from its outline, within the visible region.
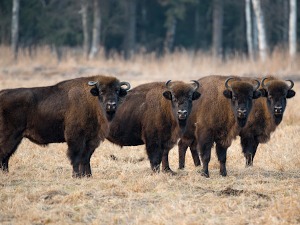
(83, 112)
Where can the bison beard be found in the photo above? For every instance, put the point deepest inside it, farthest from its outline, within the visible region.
(70, 111)
(154, 114)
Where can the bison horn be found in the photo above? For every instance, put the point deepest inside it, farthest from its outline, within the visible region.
(126, 84)
(168, 84)
(263, 82)
(226, 82)
(257, 86)
(197, 85)
(292, 84)
(94, 83)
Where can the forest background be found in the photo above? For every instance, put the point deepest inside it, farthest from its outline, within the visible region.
(222, 28)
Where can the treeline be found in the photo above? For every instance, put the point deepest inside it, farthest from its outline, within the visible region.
(221, 27)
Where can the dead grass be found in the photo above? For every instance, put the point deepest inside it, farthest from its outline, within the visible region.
(39, 188)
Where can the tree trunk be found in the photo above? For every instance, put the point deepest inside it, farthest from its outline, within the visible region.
(285, 30)
(96, 30)
(293, 29)
(197, 29)
(217, 28)
(84, 17)
(249, 28)
(129, 40)
(15, 28)
(262, 42)
(170, 35)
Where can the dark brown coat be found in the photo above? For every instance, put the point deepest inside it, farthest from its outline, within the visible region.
(217, 117)
(70, 111)
(154, 115)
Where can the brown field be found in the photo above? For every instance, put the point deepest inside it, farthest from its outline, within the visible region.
(39, 188)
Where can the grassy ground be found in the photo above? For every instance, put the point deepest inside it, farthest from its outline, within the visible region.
(39, 188)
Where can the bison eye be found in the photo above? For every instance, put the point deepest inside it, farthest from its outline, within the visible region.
(270, 97)
(234, 98)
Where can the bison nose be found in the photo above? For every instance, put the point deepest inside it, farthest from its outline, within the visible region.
(182, 114)
(278, 110)
(111, 106)
(242, 113)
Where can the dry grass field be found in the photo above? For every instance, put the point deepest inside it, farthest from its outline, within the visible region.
(39, 188)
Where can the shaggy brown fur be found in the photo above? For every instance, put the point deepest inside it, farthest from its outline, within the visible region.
(266, 115)
(153, 115)
(217, 117)
(263, 119)
(66, 112)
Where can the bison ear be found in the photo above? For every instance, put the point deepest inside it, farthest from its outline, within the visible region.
(122, 92)
(94, 91)
(263, 92)
(196, 95)
(227, 93)
(290, 94)
(168, 95)
(256, 94)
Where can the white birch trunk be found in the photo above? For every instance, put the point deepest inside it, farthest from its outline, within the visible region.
(293, 28)
(15, 28)
(96, 30)
(262, 42)
(84, 17)
(249, 28)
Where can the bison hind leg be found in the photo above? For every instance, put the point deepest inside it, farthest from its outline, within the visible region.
(8, 148)
(205, 153)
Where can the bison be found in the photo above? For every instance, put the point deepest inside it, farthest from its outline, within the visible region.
(154, 114)
(70, 111)
(217, 117)
(266, 115)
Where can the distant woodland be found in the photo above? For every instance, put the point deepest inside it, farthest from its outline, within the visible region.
(219, 27)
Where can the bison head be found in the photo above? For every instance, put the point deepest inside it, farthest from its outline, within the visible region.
(276, 92)
(241, 95)
(109, 93)
(182, 95)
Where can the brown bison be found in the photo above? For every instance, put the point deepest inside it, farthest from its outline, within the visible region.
(69, 111)
(154, 114)
(217, 117)
(266, 115)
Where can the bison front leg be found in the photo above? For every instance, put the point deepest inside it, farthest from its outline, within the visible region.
(75, 150)
(249, 146)
(183, 144)
(222, 155)
(195, 155)
(165, 163)
(155, 155)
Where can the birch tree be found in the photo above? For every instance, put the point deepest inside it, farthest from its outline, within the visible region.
(293, 28)
(217, 28)
(249, 28)
(262, 42)
(84, 17)
(96, 29)
(15, 28)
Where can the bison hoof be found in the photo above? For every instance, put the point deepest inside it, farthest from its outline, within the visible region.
(223, 173)
(204, 174)
(169, 171)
